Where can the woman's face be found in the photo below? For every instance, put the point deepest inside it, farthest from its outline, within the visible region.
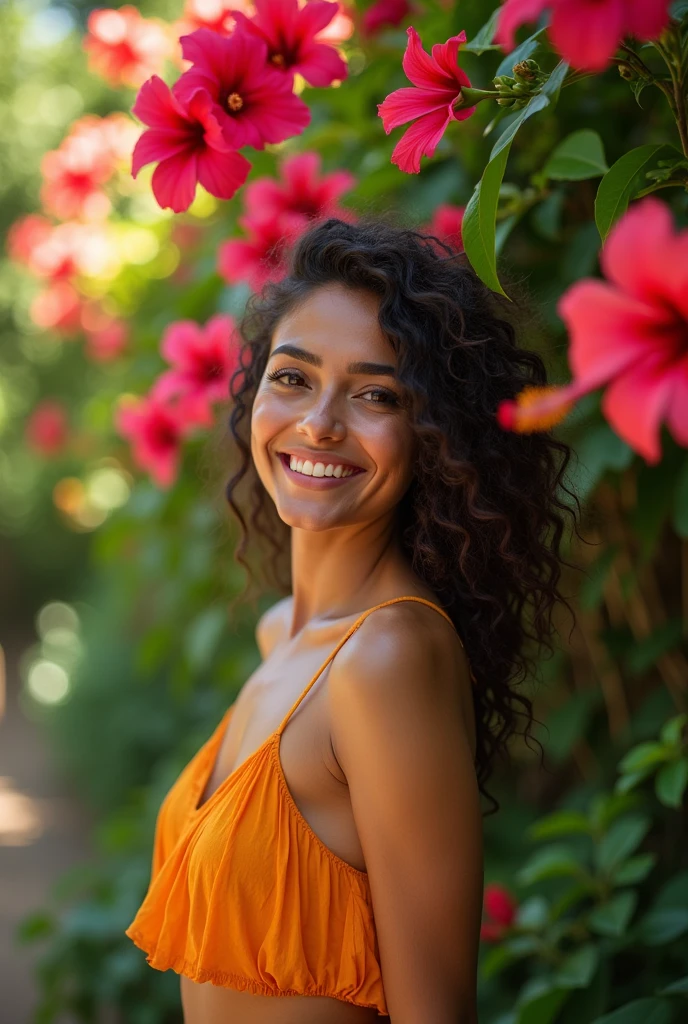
(329, 395)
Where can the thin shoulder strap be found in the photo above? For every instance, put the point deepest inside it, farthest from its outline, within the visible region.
(349, 632)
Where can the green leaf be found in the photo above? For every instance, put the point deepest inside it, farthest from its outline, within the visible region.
(578, 968)
(560, 823)
(662, 925)
(671, 782)
(676, 988)
(478, 229)
(540, 1001)
(622, 839)
(620, 184)
(680, 509)
(642, 756)
(479, 222)
(612, 918)
(532, 913)
(577, 157)
(553, 861)
(634, 870)
(522, 52)
(671, 730)
(640, 1011)
(482, 40)
(625, 783)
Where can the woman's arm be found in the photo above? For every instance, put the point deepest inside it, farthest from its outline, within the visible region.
(402, 741)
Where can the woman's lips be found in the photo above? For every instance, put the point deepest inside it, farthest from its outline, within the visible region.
(316, 483)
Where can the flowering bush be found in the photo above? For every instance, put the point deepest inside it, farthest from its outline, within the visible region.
(144, 199)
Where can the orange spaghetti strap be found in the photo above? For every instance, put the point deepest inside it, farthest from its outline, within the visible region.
(352, 629)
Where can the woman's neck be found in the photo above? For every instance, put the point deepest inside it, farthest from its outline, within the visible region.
(336, 573)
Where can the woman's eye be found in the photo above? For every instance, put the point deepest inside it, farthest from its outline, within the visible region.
(381, 397)
(284, 375)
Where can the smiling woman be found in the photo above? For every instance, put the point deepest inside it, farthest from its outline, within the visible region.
(325, 844)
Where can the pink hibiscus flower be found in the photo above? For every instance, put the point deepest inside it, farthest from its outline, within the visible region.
(203, 359)
(446, 225)
(434, 100)
(156, 430)
(187, 141)
(302, 189)
(47, 428)
(383, 13)
(254, 102)
(500, 910)
(290, 32)
(74, 174)
(629, 332)
(261, 256)
(124, 48)
(586, 33)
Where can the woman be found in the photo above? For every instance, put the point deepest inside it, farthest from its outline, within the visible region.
(325, 845)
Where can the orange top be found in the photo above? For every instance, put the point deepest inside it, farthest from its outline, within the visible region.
(245, 895)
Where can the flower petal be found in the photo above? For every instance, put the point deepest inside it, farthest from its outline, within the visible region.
(608, 330)
(174, 182)
(158, 144)
(635, 404)
(222, 174)
(157, 107)
(645, 19)
(419, 67)
(587, 32)
(446, 56)
(404, 105)
(512, 15)
(420, 139)
(320, 64)
(677, 415)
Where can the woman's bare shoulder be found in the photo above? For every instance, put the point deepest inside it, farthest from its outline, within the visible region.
(272, 626)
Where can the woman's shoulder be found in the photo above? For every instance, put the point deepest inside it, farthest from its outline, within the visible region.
(272, 626)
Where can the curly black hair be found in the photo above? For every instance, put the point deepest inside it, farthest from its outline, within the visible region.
(483, 519)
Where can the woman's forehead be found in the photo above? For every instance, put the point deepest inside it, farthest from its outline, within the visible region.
(333, 319)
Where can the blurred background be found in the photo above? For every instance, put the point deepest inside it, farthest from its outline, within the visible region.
(119, 649)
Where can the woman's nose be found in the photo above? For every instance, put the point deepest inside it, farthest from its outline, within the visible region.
(323, 419)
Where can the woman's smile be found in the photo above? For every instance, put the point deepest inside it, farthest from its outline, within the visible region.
(318, 475)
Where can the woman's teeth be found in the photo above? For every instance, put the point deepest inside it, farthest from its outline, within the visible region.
(309, 468)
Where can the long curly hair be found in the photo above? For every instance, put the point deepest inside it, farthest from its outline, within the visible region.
(483, 519)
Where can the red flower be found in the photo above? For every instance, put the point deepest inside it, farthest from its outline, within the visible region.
(47, 427)
(433, 100)
(203, 359)
(75, 172)
(57, 308)
(586, 32)
(301, 190)
(156, 430)
(254, 103)
(382, 13)
(187, 142)
(217, 15)
(106, 336)
(630, 333)
(25, 236)
(446, 225)
(124, 48)
(500, 910)
(290, 32)
(261, 257)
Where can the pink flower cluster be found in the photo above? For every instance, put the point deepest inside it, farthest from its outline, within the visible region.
(276, 213)
(629, 333)
(586, 33)
(202, 361)
(238, 91)
(58, 248)
(125, 48)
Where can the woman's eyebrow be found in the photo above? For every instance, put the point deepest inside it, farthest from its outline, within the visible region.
(374, 369)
